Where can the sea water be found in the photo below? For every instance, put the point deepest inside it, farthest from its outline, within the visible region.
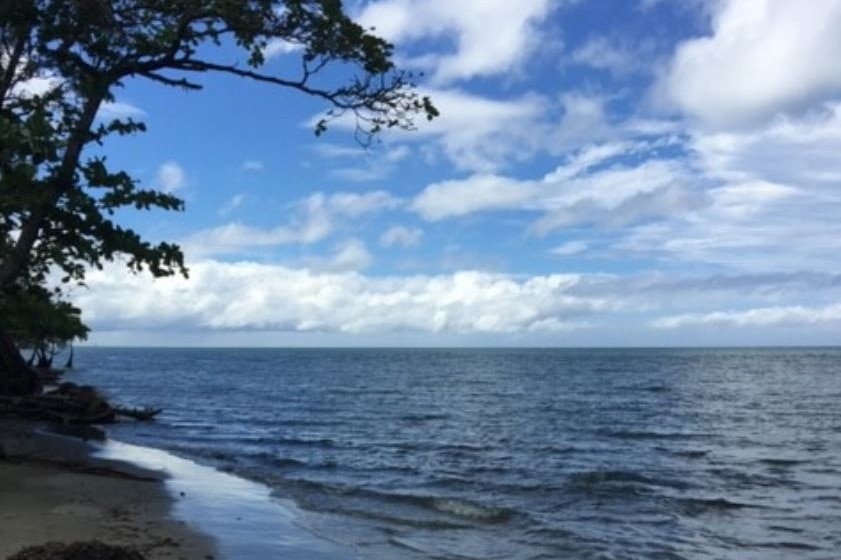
(512, 454)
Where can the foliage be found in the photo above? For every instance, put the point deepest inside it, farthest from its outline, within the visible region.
(40, 322)
(62, 59)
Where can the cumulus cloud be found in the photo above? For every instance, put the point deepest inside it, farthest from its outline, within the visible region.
(764, 57)
(400, 236)
(247, 296)
(221, 300)
(492, 37)
(171, 177)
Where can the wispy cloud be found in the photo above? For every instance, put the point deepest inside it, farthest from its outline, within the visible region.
(120, 110)
(761, 317)
(232, 204)
(171, 177)
(252, 165)
(401, 236)
(313, 219)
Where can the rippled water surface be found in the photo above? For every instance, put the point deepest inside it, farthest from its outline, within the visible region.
(514, 454)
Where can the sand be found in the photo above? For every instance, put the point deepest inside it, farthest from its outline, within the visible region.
(52, 490)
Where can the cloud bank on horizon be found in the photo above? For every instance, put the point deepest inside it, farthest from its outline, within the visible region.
(643, 173)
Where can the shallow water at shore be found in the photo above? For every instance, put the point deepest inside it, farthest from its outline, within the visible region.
(521, 454)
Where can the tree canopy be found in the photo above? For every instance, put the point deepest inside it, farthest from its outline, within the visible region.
(61, 60)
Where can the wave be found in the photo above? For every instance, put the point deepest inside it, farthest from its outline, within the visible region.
(428, 511)
(783, 462)
(611, 480)
(699, 506)
(646, 434)
(691, 454)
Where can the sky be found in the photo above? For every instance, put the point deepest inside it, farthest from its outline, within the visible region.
(603, 173)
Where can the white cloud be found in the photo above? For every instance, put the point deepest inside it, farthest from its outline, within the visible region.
(584, 120)
(773, 198)
(400, 236)
(236, 237)
(373, 164)
(353, 205)
(232, 204)
(479, 193)
(120, 110)
(801, 152)
(171, 177)
(570, 248)
(38, 85)
(620, 196)
(764, 57)
(280, 47)
(479, 133)
(760, 317)
(247, 295)
(252, 165)
(314, 219)
(351, 254)
(584, 190)
(619, 58)
(484, 134)
(492, 37)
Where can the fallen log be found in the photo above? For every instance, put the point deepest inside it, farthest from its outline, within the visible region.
(53, 408)
(146, 414)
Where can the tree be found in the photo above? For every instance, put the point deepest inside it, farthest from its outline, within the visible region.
(40, 322)
(60, 60)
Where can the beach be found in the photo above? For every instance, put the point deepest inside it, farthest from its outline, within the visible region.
(52, 489)
(57, 484)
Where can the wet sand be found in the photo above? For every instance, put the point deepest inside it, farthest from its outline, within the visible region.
(52, 489)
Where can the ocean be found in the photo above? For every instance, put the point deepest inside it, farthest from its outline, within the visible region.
(520, 454)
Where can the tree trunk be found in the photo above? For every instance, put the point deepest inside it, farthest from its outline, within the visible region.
(16, 378)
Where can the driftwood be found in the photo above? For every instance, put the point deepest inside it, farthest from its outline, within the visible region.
(71, 404)
(22, 394)
(142, 414)
(57, 408)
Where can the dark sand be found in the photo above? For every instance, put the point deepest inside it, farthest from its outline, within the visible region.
(51, 489)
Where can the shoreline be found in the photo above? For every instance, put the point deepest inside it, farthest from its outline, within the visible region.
(54, 487)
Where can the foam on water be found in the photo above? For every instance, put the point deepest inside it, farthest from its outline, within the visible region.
(243, 518)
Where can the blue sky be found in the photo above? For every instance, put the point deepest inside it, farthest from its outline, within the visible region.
(631, 173)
